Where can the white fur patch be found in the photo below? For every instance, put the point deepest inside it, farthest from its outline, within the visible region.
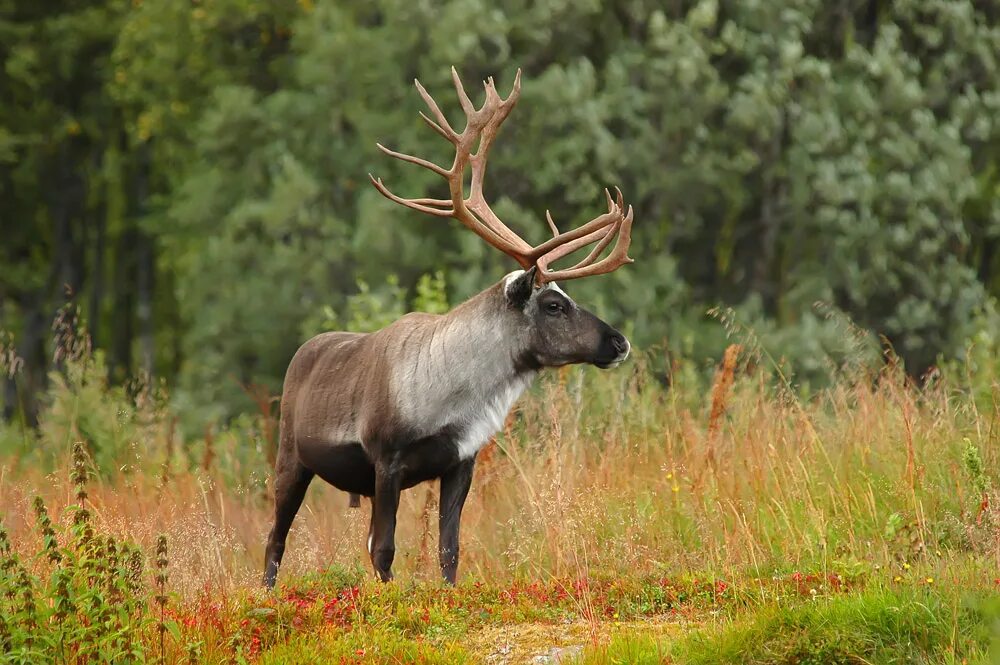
(370, 542)
(509, 279)
(473, 387)
(488, 419)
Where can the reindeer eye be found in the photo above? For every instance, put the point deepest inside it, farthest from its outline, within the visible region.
(554, 308)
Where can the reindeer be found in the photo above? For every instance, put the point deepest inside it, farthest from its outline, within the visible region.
(374, 414)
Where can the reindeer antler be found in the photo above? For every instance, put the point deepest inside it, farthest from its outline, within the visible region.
(475, 213)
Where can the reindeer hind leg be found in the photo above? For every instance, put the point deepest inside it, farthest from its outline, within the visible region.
(290, 485)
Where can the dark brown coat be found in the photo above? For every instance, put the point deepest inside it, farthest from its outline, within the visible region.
(373, 414)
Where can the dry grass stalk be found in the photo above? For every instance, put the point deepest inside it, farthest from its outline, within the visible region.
(427, 533)
(724, 378)
(264, 401)
(208, 457)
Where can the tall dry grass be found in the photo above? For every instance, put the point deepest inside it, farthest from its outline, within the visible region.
(610, 473)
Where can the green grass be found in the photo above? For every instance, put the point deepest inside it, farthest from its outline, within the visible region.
(884, 627)
(365, 645)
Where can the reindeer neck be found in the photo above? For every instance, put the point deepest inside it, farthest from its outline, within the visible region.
(481, 335)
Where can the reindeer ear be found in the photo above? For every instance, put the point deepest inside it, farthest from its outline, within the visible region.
(518, 290)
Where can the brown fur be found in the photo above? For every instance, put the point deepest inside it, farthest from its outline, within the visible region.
(376, 413)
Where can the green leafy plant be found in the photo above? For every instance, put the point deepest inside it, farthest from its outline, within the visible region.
(80, 596)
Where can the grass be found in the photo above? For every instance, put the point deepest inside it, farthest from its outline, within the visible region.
(731, 522)
(874, 626)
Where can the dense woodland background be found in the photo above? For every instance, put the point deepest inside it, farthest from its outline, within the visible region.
(192, 176)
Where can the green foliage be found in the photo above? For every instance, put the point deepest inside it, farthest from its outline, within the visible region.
(432, 294)
(82, 596)
(974, 467)
(778, 155)
(121, 426)
(81, 404)
(121, 431)
(370, 310)
(981, 361)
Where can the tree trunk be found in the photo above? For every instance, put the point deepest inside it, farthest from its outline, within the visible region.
(8, 399)
(100, 225)
(145, 269)
(770, 221)
(66, 196)
(987, 258)
(122, 331)
(32, 375)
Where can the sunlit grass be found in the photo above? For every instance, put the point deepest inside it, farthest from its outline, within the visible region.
(608, 505)
(885, 626)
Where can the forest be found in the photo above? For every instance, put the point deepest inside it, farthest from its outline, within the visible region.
(798, 464)
(192, 177)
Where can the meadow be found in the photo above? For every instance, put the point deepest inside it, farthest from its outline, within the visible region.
(806, 475)
(685, 514)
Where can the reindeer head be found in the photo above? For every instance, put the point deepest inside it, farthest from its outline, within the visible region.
(555, 330)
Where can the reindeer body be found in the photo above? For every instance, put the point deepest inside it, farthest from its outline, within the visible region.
(424, 393)
(374, 414)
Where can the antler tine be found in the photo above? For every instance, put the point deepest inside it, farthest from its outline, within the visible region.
(463, 97)
(434, 202)
(570, 246)
(446, 133)
(492, 96)
(552, 224)
(591, 229)
(587, 267)
(616, 223)
(494, 111)
(415, 204)
(424, 205)
(599, 247)
(441, 126)
(443, 172)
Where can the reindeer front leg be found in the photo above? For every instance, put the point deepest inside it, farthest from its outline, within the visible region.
(454, 490)
(383, 532)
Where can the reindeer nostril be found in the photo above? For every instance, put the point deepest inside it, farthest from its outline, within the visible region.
(619, 343)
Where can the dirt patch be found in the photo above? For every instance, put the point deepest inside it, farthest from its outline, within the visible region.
(557, 642)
